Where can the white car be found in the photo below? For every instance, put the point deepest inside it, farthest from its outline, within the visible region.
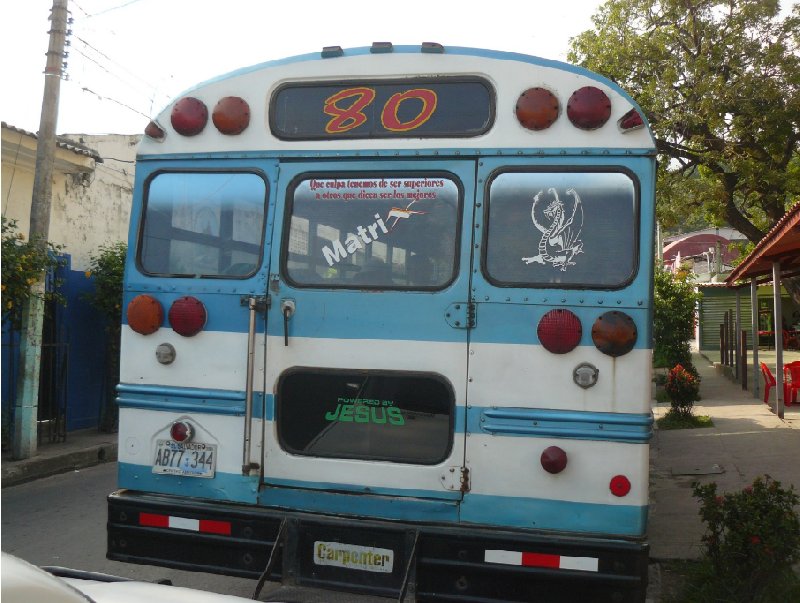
(25, 583)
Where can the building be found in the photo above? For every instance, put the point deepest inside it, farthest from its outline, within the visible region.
(92, 191)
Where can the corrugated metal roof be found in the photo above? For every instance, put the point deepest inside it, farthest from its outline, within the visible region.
(61, 142)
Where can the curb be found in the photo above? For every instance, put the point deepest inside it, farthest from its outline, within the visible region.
(19, 472)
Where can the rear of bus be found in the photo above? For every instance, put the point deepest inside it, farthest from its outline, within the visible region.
(388, 329)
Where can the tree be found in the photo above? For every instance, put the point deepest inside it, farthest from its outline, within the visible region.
(674, 304)
(719, 82)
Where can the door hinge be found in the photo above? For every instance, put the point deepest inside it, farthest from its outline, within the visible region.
(464, 480)
(461, 315)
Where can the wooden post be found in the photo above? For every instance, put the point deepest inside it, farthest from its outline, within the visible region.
(744, 359)
(722, 331)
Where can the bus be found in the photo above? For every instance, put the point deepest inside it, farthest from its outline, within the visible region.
(388, 329)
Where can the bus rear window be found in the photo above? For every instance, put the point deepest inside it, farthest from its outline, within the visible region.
(395, 231)
(201, 224)
(568, 229)
(374, 415)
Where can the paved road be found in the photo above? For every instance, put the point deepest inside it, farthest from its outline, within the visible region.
(61, 520)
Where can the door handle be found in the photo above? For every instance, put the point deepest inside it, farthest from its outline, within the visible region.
(287, 309)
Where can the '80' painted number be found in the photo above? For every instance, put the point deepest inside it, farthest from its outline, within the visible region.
(352, 116)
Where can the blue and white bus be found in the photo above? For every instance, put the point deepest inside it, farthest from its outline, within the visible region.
(388, 329)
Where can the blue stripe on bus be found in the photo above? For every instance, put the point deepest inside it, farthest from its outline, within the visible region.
(480, 509)
(544, 514)
(187, 399)
(223, 486)
(575, 425)
(496, 322)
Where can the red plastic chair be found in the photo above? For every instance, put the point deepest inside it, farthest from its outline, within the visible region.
(769, 381)
(791, 373)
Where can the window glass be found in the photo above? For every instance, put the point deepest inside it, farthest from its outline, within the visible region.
(389, 232)
(565, 229)
(365, 415)
(203, 224)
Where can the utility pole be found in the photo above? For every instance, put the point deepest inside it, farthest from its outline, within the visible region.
(27, 402)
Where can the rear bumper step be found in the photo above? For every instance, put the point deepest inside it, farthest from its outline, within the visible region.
(432, 562)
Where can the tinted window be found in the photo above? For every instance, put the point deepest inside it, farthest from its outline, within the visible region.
(389, 232)
(203, 224)
(366, 415)
(565, 229)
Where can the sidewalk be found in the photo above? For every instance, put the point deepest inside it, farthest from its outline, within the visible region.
(747, 440)
(81, 449)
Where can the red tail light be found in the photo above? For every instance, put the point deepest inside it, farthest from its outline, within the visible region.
(588, 108)
(614, 333)
(181, 431)
(537, 109)
(189, 116)
(187, 316)
(620, 485)
(145, 314)
(554, 459)
(559, 331)
(154, 131)
(231, 115)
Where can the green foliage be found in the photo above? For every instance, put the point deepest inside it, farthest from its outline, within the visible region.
(673, 319)
(24, 263)
(683, 389)
(107, 268)
(752, 539)
(673, 420)
(719, 82)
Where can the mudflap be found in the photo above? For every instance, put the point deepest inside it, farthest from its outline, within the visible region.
(405, 561)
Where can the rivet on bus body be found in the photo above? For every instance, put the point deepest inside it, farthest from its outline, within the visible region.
(600, 301)
(619, 301)
(580, 300)
(486, 298)
(639, 302)
(563, 300)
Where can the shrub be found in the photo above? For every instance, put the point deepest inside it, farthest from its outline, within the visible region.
(674, 303)
(683, 389)
(24, 263)
(752, 539)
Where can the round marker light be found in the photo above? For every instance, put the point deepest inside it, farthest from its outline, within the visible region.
(588, 108)
(537, 109)
(231, 115)
(145, 315)
(187, 316)
(614, 333)
(189, 116)
(559, 331)
(181, 431)
(620, 485)
(554, 460)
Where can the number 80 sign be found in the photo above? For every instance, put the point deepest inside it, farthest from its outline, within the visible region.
(345, 118)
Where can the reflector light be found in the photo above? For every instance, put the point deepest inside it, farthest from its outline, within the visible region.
(632, 120)
(187, 316)
(537, 109)
(559, 331)
(554, 459)
(231, 115)
(145, 314)
(189, 116)
(154, 131)
(181, 431)
(588, 108)
(620, 485)
(614, 333)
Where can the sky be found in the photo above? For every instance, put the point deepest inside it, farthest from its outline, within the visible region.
(128, 59)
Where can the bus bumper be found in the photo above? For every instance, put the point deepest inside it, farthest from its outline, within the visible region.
(428, 561)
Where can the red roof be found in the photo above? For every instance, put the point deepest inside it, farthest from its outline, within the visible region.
(781, 244)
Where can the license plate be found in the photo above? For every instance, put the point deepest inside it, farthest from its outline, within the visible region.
(351, 556)
(190, 459)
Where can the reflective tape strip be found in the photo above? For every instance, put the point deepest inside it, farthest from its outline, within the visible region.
(585, 564)
(207, 526)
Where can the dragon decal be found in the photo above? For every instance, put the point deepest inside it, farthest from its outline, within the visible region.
(560, 241)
